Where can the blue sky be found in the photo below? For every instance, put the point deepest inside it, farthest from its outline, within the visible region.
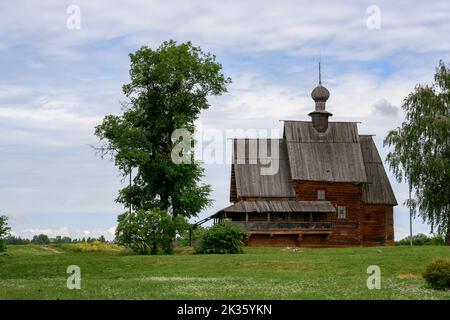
(58, 83)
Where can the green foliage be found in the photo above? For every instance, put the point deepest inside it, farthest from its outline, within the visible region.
(40, 239)
(197, 234)
(17, 240)
(437, 274)
(224, 237)
(421, 239)
(421, 153)
(437, 240)
(91, 240)
(93, 246)
(148, 232)
(60, 239)
(169, 88)
(44, 239)
(4, 232)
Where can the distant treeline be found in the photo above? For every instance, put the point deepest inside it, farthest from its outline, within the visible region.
(421, 239)
(44, 239)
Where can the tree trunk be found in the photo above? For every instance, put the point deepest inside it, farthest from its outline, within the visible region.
(154, 249)
(164, 203)
(447, 235)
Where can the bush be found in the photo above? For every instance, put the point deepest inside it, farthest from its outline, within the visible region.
(437, 274)
(438, 240)
(148, 232)
(4, 232)
(421, 239)
(223, 237)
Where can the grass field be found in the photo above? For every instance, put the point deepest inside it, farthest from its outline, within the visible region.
(39, 272)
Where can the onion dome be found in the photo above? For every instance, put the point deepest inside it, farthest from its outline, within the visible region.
(320, 93)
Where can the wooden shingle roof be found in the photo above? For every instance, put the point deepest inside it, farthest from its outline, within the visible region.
(378, 189)
(249, 166)
(332, 156)
(280, 206)
(303, 131)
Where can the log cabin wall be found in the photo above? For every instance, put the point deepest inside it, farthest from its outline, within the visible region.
(389, 210)
(377, 225)
(346, 232)
(272, 240)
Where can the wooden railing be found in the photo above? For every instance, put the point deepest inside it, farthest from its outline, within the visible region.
(283, 225)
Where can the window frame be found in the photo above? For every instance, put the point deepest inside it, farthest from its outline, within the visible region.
(321, 191)
(339, 215)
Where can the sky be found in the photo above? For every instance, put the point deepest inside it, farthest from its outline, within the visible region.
(63, 64)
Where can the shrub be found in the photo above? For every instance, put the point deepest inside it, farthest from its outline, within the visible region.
(223, 237)
(437, 274)
(4, 232)
(148, 232)
(438, 240)
(421, 239)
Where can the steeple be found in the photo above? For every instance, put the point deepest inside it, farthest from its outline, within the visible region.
(319, 116)
(320, 75)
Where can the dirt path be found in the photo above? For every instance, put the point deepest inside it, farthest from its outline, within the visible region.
(51, 249)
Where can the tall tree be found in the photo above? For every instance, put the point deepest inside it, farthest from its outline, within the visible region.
(4, 232)
(169, 87)
(421, 150)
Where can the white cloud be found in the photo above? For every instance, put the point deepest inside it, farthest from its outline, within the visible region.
(48, 116)
(297, 27)
(51, 233)
(66, 232)
(12, 91)
(52, 119)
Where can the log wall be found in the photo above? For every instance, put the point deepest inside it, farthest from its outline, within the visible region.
(364, 224)
(377, 225)
(346, 232)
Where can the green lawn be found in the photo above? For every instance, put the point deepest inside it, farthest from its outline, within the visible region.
(36, 272)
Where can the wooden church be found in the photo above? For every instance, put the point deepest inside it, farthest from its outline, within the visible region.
(330, 189)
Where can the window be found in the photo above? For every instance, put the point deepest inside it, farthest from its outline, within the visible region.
(320, 194)
(341, 212)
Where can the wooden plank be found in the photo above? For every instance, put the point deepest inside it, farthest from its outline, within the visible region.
(291, 232)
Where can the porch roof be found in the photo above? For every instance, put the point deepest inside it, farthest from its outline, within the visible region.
(285, 206)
